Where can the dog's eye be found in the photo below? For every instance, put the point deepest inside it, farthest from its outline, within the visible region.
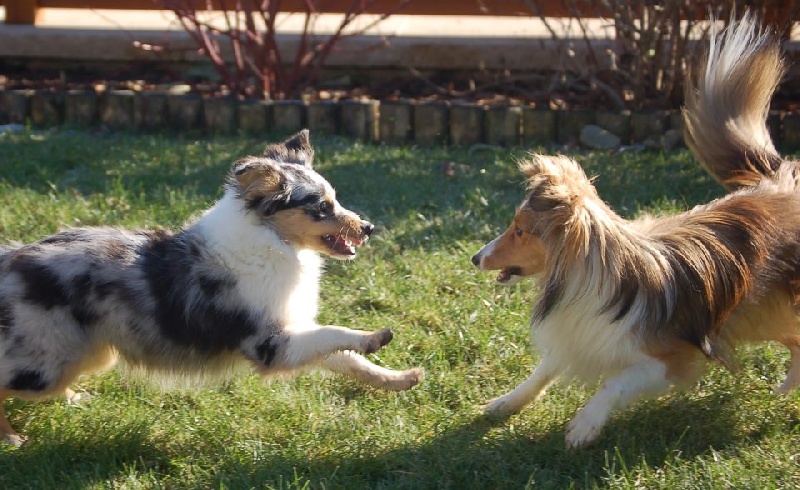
(322, 211)
(518, 231)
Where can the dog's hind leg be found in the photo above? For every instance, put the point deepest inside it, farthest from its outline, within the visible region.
(358, 367)
(793, 374)
(647, 377)
(530, 389)
(8, 434)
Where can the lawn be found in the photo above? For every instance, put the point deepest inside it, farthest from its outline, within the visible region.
(434, 208)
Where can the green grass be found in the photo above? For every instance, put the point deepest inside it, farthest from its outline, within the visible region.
(320, 431)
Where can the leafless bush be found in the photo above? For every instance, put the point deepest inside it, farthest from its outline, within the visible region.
(653, 43)
(247, 30)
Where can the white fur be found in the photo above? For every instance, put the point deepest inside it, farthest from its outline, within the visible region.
(647, 377)
(275, 277)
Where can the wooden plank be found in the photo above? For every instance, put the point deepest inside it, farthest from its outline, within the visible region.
(21, 11)
(25, 11)
(553, 8)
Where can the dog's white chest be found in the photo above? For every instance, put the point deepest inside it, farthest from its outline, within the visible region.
(286, 290)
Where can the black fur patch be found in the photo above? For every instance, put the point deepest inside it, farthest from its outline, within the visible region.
(103, 289)
(6, 316)
(212, 286)
(27, 380)
(42, 286)
(550, 298)
(80, 306)
(266, 351)
(272, 204)
(202, 325)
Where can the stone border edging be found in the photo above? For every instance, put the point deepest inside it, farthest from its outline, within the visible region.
(392, 122)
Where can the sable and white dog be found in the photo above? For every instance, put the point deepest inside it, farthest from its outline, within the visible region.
(238, 284)
(643, 304)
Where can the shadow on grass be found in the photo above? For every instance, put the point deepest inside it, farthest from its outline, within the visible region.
(478, 453)
(84, 163)
(77, 460)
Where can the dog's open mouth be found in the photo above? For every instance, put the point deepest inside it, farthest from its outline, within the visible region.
(342, 245)
(506, 274)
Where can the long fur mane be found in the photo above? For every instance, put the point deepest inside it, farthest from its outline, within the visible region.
(678, 276)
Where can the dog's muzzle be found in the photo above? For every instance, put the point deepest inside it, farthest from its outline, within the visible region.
(476, 260)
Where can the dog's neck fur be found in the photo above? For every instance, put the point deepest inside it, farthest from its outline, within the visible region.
(273, 276)
(686, 273)
(601, 270)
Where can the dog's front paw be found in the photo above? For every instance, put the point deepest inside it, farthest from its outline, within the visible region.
(412, 377)
(377, 340)
(77, 398)
(400, 380)
(500, 408)
(584, 429)
(15, 440)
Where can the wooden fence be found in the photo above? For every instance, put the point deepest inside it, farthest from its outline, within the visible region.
(25, 11)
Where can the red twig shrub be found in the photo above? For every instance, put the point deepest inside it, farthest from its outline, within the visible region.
(247, 31)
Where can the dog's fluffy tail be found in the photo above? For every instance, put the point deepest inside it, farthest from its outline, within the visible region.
(727, 103)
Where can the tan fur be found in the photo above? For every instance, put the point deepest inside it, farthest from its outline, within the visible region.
(297, 227)
(685, 364)
(258, 180)
(517, 247)
(727, 103)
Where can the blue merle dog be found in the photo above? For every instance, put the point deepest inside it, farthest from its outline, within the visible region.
(239, 284)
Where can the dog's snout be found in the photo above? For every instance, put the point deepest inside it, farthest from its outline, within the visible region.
(367, 228)
(476, 260)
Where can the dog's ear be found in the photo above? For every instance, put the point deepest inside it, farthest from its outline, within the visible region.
(545, 184)
(299, 141)
(296, 149)
(544, 194)
(554, 181)
(256, 177)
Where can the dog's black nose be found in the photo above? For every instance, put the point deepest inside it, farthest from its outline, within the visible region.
(476, 260)
(367, 228)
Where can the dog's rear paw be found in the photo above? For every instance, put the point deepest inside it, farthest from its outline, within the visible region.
(377, 340)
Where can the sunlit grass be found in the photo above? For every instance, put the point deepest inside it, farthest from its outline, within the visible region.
(434, 209)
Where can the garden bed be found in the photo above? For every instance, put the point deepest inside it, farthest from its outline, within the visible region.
(390, 121)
